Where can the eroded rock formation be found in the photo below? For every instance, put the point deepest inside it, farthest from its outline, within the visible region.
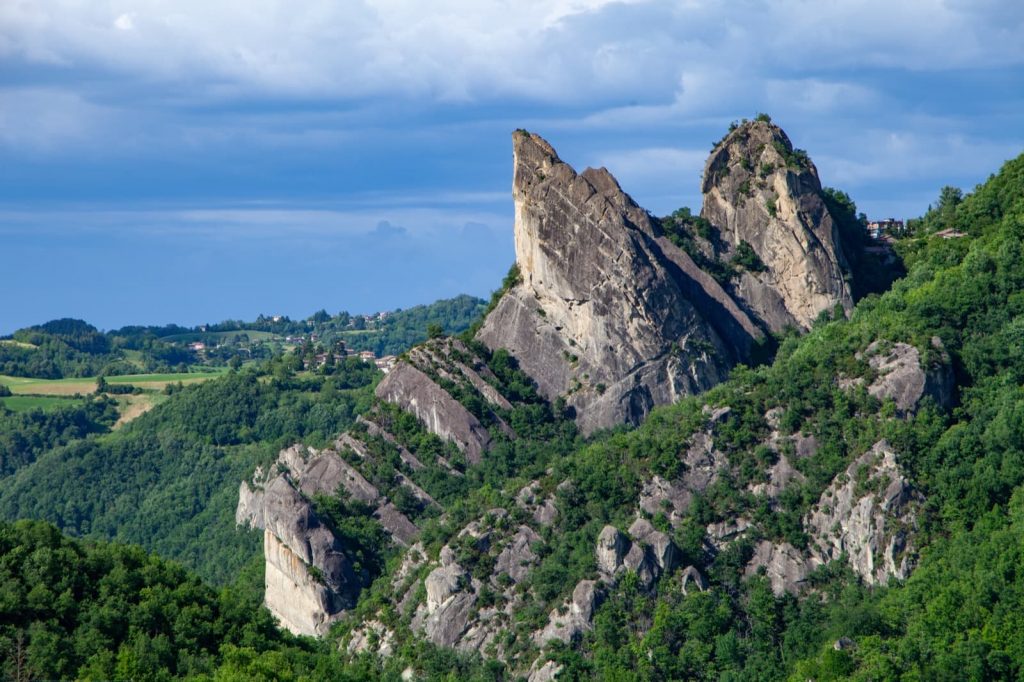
(869, 514)
(310, 580)
(758, 190)
(606, 312)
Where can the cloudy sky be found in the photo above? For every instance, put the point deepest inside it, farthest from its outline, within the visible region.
(191, 161)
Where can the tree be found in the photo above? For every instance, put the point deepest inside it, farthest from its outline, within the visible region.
(434, 330)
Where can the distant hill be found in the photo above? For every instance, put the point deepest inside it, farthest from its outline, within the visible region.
(70, 348)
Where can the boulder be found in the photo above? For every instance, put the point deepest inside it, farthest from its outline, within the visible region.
(568, 623)
(784, 565)
(663, 551)
(612, 546)
(906, 378)
(518, 556)
(692, 579)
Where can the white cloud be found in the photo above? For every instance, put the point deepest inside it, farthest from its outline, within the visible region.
(570, 50)
(124, 22)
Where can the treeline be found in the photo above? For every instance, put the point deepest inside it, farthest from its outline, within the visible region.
(399, 330)
(68, 348)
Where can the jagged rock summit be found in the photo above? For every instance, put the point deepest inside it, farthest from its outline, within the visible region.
(611, 314)
(759, 190)
(608, 312)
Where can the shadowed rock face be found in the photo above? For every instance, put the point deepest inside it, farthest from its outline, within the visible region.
(757, 190)
(605, 313)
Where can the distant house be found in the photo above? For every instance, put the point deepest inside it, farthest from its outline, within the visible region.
(367, 356)
(197, 346)
(385, 363)
(876, 228)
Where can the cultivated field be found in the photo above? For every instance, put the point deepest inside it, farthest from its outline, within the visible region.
(220, 336)
(24, 403)
(21, 386)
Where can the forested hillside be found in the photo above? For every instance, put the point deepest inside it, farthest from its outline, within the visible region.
(169, 479)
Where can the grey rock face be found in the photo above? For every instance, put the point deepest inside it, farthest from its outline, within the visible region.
(784, 565)
(662, 549)
(756, 190)
(310, 580)
(692, 579)
(611, 550)
(544, 511)
(442, 583)
(608, 313)
(869, 514)
(415, 392)
(518, 556)
(703, 465)
(906, 377)
(544, 672)
(575, 617)
(780, 476)
(294, 541)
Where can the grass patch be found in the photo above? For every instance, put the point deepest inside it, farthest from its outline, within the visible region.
(134, 406)
(206, 337)
(24, 403)
(16, 344)
(66, 387)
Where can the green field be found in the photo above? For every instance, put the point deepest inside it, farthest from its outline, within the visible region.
(24, 403)
(21, 386)
(217, 336)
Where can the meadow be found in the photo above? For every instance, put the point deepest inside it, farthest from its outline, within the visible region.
(24, 386)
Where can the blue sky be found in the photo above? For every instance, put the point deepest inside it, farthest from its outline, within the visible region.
(184, 161)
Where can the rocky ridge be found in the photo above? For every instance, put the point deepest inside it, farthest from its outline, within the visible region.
(613, 316)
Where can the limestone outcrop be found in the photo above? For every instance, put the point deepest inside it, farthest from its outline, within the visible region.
(608, 313)
(758, 190)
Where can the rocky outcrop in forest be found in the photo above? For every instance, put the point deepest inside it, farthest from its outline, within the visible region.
(613, 313)
(758, 190)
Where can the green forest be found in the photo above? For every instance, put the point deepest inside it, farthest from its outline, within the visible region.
(168, 482)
